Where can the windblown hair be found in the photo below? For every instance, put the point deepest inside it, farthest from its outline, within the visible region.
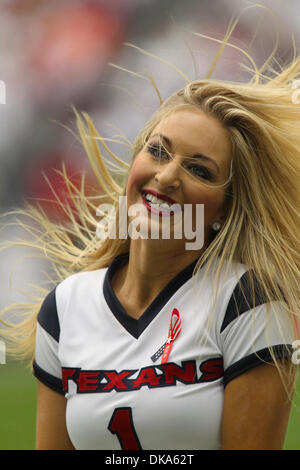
(262, 226)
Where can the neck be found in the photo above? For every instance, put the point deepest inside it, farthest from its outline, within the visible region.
(150, 268)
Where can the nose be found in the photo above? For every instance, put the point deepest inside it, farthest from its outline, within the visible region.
(168, 174)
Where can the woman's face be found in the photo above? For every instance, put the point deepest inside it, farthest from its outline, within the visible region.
(201, 154)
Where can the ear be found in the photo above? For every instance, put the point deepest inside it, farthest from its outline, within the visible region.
(221, 217)
(224, 211)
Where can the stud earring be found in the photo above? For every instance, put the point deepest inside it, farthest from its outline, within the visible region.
(216, 226)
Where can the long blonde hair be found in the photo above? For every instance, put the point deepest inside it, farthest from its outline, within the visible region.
(262, 226)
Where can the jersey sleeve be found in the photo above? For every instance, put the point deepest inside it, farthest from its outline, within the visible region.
(248, 331)
(46, 365)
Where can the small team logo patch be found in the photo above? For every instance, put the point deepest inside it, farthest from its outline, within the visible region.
(174, 331)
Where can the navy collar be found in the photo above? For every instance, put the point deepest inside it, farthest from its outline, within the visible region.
(133, 326)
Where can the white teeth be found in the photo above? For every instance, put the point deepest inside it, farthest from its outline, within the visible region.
(165, 205)
(159, 202)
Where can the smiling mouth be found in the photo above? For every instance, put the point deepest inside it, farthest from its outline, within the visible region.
(159, 204)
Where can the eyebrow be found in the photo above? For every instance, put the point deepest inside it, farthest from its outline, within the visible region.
(198, 155)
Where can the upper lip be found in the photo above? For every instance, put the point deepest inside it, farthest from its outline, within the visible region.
(160, 196)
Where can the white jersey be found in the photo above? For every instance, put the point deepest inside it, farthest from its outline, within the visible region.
(120, 395)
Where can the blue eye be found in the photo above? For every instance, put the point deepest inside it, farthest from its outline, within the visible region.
(157, 151)
(200, 172)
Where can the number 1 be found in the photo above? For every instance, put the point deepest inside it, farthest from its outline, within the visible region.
(121, 424)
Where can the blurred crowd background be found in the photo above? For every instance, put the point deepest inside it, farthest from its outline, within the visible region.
(56, 54)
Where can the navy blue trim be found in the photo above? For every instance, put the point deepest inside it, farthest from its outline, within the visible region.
(47, 316)
(133, 326)
(280, 351)
(242, 299)
(47, 379)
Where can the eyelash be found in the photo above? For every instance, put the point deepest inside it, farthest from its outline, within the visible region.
(157, 152)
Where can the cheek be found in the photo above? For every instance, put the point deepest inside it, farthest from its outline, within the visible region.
(136, 177)
(213, 201)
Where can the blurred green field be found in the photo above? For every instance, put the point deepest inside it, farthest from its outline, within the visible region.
(17, 405)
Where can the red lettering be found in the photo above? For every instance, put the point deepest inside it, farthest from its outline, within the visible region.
(186, 374)
(116, 380)
(212, 369)
(88, 381)
(66, 375)
(148, 377)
